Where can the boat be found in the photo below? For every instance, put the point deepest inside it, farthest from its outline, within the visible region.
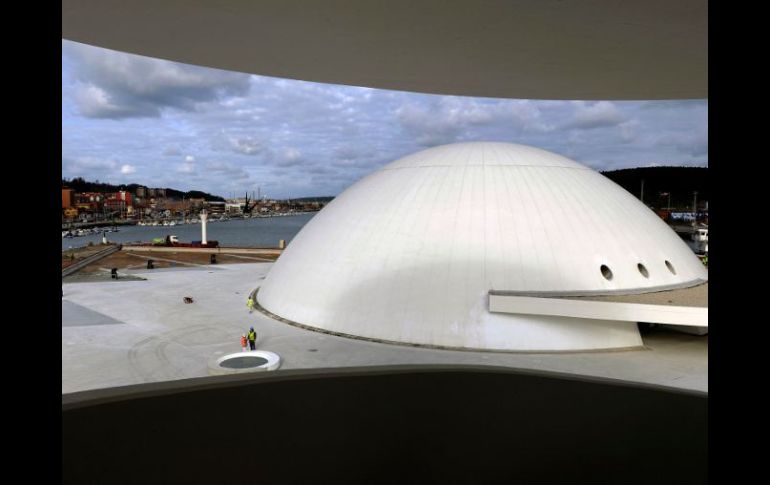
(700, 239)
(173, 241)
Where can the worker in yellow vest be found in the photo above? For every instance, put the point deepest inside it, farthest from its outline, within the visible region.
(252, 339)
(250, 304)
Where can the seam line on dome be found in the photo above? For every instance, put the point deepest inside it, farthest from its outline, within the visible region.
(491, 165)
(399, 343)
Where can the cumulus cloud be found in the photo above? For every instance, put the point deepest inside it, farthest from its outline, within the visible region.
(445, 119)
(349, 152)
(172, 152)
(427, 128)
(229, 170)
(118, 85)
(234, 140)
(247, 145)
(188, 167)
(290, 157)
(628, 131)
(89, 164)
(589, 116)
(321, 170)
(695, 145)
(296, 138)
(95, 102)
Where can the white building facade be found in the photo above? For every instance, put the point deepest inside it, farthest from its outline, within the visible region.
(409, 253)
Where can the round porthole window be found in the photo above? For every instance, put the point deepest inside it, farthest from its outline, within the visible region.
(643, 270)
(670, 267)
(606, 272)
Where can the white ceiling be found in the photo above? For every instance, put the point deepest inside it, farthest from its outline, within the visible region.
(532, 49)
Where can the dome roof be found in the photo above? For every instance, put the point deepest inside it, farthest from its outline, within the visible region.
(409, 253)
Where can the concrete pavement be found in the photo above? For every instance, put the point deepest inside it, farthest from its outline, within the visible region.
(161, 338)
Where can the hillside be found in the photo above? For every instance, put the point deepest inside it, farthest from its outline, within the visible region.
(324, 199)
(680, 182)
(80, 185)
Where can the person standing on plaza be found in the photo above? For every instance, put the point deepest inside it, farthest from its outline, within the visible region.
(243, 342)
(252, 339)
(250, 304)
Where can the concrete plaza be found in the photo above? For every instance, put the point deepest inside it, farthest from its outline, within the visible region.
(137, 330)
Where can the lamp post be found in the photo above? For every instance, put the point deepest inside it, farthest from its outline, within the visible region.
(695, 207)
(203, 216)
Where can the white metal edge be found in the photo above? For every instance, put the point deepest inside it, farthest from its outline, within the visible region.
(599, 310)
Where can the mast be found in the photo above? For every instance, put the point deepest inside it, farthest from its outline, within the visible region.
(695, 208)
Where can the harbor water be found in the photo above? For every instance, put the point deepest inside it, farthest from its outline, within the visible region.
(255, 232)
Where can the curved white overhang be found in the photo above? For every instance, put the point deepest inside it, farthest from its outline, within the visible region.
(534, 49)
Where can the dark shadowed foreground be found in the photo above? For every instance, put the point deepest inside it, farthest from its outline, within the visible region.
(428, 424)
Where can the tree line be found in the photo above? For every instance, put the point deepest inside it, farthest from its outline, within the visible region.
(659, 182)
(78, 184)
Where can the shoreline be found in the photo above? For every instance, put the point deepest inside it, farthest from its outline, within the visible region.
(248, 233)
(141, 222)
(127, 258)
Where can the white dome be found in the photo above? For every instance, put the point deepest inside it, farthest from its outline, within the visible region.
(409, 253)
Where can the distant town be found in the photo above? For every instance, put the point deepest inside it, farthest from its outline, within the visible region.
(676, 194)
(137, 204)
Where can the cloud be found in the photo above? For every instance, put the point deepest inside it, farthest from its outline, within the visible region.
(88, 165)
(297, 138)
(693, 144)
(290, 157)
(628, 131)
(597, 115)
(321, 170)
(127, 169)
(235, 141)
(446, 119)
(95, 102)
(428, 129)
(228, 170)
(118, 85)
(188, 167)
(697, 145)
(247, 145)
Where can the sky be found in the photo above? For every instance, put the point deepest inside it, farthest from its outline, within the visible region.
(133, 119)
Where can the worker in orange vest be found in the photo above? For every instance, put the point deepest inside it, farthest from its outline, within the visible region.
(243, 342)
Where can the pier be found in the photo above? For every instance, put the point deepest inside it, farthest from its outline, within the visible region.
(87, 225)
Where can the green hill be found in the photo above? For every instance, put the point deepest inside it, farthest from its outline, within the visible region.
(78, 184)
(325, 199)
(680, 182)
